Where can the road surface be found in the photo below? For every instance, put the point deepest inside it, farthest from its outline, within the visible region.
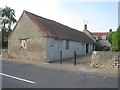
(19, 75)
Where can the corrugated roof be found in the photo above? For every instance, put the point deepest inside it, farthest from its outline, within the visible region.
(54, 29)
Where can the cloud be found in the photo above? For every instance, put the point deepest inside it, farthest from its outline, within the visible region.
(54, 10)
(51, 9)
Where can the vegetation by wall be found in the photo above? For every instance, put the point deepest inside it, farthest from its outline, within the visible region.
(114, 39)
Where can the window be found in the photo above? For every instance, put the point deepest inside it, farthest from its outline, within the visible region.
(23, 44)
(93, 47)
(87, 48)
(104, 37)
(67, 44)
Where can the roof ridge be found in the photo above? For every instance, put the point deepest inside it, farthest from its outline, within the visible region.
(55, 29)
(52, 21)
(30, 15)
(100, 32)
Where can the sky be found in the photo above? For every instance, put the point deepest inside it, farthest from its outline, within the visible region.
(99, 16)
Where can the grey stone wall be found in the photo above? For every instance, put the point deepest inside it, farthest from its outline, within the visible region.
(4, 53)
(105, 59)
(35, 43)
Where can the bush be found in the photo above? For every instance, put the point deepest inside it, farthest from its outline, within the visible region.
(115, 39)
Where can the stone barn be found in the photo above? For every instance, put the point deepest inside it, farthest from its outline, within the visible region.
(38, 38)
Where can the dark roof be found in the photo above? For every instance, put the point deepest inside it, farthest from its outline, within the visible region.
(104, 43)
(54, 29)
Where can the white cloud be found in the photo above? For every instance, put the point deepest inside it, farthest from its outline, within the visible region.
(51, 9)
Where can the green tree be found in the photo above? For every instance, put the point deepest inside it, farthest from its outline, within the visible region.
(0, 40)
(0, 29)
(7, 16)
(5, 35)
(116, 41)
(110, 37)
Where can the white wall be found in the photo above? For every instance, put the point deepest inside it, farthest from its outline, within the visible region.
(90, 48)
(53, 48)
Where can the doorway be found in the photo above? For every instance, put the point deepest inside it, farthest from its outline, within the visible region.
(87, 48)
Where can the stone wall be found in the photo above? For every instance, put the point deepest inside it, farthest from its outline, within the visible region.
(105, 59)
(35, 41)
(4, 53)
(24, 55)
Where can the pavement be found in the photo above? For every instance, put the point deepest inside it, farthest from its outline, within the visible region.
(24, 75)
(83, 64)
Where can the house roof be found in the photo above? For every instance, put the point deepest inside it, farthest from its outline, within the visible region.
(51, 28)
(100, 34)
(89, 34)
(104, 43)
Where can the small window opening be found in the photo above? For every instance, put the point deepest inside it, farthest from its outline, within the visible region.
(23, 44)
(67, 44)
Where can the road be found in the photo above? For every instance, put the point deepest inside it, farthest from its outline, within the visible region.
(18, 75)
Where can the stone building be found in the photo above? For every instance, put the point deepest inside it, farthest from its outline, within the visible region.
(86, 31)
(100, 38)
(38, 38)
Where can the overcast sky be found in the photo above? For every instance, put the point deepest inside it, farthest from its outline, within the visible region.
(100, 16)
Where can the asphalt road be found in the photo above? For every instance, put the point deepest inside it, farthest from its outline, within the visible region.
(18, 75)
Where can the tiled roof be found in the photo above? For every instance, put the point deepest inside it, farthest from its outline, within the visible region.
(100, 34)
(51, 28)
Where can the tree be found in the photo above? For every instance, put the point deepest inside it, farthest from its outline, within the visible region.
(116, 41)
(7, 18)
(0, 29)
(0, 40)
(110, 37)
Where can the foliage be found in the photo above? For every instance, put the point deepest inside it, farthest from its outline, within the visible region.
(116, 41)
(7, 18)
(110, 37)
(99, 47)
(118, 35)
(0, 39)
(5, 35)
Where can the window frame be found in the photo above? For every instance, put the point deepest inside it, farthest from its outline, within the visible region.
(67, 44)
(104, 37)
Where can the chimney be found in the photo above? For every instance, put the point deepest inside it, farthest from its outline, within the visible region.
(85, 27)
(110, 30)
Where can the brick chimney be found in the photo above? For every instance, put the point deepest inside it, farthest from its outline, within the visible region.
(110, 30)
(85, 27)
